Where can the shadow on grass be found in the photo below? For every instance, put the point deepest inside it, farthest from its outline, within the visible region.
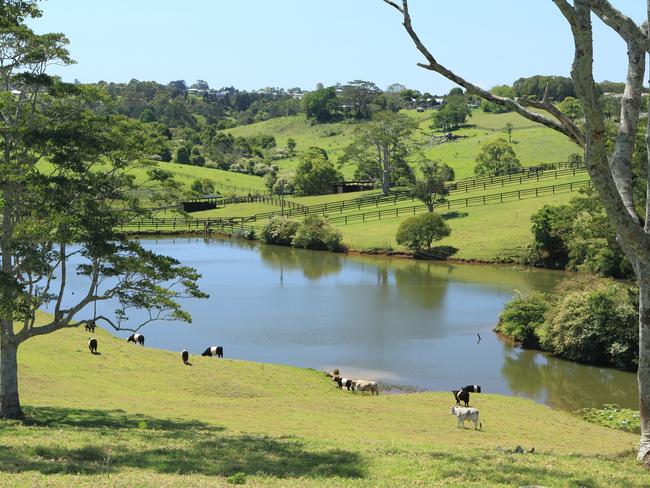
(106, 419)
(454, 214)
(437, 253)
(87, 446)
(512, 469)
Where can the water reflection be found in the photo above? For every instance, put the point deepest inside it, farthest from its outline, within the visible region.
(313, 264)
(396, 320)
(563, 384)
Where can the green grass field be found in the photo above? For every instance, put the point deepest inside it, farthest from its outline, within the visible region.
(532, 145)
(136, 416)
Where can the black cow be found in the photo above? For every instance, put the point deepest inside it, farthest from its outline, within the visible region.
(213, 351)
(462, 395)
(90, 326)
(92, 345)
(136, 339)
(186, 356)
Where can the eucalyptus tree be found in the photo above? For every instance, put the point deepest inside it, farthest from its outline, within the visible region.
(610, 170)
(381, 147)
(67, 183)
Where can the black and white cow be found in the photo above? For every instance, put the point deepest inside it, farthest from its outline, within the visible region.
(90, 326)
(213, 351)
(92, 345)
(462, 395)
(344, 382)
(136, 339)
(186, 356)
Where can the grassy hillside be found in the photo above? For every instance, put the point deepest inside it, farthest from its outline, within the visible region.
(485, 233)
(138, 417)
(533, 143)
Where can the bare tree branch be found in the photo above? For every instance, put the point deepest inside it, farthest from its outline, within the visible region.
(622, 24)
(433, 65)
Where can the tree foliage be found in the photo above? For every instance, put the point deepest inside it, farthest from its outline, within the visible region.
(452, 114)
(315, 174)
(419, 232)
(496, 158)
(75, 209)
(315, 232)
(431, 188)
(321, 105)
(380, 149)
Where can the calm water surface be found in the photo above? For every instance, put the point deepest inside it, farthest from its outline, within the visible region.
(399, 321)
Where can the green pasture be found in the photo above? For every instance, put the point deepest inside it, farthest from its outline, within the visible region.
(135, 416)
(532, 142)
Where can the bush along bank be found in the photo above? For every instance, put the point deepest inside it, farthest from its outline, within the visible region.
(592, 323)
(314, 232)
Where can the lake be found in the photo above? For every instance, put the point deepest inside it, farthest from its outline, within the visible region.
(400, 321)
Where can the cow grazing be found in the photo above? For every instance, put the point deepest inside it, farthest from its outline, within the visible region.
(349, 384)
(90, 326)
(462, 395)
(92, 345)
(463, 413)
(213, 351)
(365, 385)
(186, 357)
(136, 339)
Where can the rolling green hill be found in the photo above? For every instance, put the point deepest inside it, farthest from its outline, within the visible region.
(136, 416)
(533, 143)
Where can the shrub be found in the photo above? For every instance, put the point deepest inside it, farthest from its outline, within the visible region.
(597, 326)
(279, 230)
(522, 317)
(182, 155)
(417, 233)
(315, 232)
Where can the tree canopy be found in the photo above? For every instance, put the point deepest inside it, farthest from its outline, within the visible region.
(496, 158)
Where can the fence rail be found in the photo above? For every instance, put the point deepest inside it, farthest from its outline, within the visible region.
(244, 222)
(531, 174)
(496, 198)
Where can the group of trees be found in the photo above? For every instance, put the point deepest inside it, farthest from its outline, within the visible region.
(173, 105)
(578, 236)
(593, 323)
(452, 114)
(359, 100)
(314, 232)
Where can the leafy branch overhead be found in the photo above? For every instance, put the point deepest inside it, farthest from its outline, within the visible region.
(67, 185)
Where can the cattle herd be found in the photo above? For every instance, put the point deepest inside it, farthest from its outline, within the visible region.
(462, 395)
(139, 339)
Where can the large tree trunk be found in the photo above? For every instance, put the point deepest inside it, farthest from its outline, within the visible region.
(9, 400)
(385, 173)
(644, 363)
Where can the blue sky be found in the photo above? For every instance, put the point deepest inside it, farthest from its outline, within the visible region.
(257, 43)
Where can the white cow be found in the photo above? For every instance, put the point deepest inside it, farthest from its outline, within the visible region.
(466, 413)
(365, 385)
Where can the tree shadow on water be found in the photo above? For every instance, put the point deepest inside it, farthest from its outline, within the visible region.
(163, 446)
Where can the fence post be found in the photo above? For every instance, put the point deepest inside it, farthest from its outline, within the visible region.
(519, 194)
(346, 220)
